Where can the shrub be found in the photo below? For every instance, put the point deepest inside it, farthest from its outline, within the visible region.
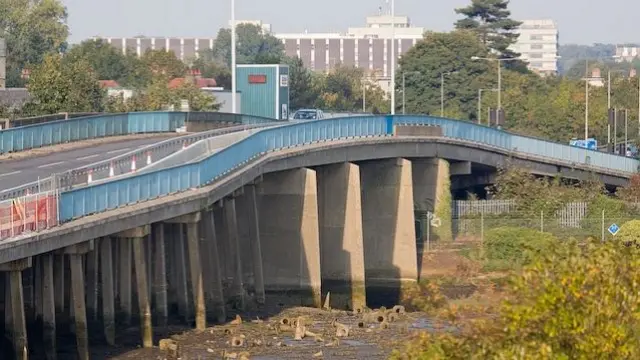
(629, 233)
(516, 246)
(574, 302)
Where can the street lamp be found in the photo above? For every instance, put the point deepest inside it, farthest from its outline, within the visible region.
(442, 75)
(480, 104)
(499, 60)
(233, 57)
(393, 57)
(586, 79)
(404, 73)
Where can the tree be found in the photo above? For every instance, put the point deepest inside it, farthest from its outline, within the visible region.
(31, 30)
(341, 90)
(106, 61)
(490, 19)
(253, 46)
(210, 67)
(161, 62)
(58, 86)
(302, 93)
(440, 53)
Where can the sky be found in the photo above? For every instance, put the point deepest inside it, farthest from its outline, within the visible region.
(577, 22)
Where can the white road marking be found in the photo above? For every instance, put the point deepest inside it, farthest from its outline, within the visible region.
(11, 173)
(52, 164)
(117, 151)
(88, 157)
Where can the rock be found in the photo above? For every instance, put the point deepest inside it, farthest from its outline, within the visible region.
(392, 316)
(399, 309)
(244, 355)
(342, 330)
(237, 341)
(210, 350)
(171, 347)
(318, 354)
(327, 301)
(164, 344)
(237, 320)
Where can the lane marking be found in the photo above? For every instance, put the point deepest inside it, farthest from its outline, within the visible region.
(11, 173)
(52, 164)
(117, 151)
(88, 157)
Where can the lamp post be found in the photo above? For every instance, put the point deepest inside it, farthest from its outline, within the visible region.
(393, 57)
(586, 79)
(499, 61)
(480, 104)
(404, 74)
(442, 75)
(233, 57)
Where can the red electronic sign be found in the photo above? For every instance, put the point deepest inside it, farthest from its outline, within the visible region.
(257, 79)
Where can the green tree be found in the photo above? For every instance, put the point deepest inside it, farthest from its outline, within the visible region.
(210, 67)
(302, 92)
(252, 46)
(161, 62)
(440, 53)
(490, 19)
(107, 62)
(341, 89)
(58, 86)
(31, 30)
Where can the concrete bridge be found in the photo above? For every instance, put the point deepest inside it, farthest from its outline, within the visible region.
(283, 216)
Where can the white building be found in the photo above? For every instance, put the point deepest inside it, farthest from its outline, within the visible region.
(538, 44)
(265, 27)
(627, 54)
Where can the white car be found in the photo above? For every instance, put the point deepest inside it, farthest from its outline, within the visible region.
(308, 114)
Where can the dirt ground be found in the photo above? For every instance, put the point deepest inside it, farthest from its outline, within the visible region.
(459, 279)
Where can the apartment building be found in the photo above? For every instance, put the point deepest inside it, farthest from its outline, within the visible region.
(538, 44)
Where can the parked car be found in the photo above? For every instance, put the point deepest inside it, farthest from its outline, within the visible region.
(308, 114)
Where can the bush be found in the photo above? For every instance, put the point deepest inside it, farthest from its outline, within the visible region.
(574, 302)
(516, 246)
(629, 233)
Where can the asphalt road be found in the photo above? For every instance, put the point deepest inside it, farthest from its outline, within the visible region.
(19, 172)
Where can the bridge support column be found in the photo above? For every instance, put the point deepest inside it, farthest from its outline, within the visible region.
(195, 267)
(108, 296)
(48, 308)
(92, 283)
(15, 321)
(250, 220)
(143, 291)
(76, 254)
(388, 226)
(432, 192)
(233, 256)
(213, 275)
(289, 234)
(341, 243)
(58, 279)
(124, 279)
(160, 275)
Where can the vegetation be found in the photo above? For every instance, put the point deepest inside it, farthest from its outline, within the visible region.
(572, 302)
(513, 247)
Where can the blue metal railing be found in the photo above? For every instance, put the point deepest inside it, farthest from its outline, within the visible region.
(103, 125)
(105, 196)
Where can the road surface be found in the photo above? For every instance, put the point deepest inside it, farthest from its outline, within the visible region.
(19, 172)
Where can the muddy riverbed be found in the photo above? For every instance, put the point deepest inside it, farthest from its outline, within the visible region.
(274, 338)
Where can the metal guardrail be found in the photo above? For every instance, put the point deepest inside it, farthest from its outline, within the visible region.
(103, 125)
(118, 165)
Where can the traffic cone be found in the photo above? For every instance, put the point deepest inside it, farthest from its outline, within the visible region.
(133, 163)
(184, 145)
(90, 176)
(148, 157)
(111, 170)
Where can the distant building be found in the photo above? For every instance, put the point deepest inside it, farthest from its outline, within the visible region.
(266, 28)
(627, 53)
(538, 44)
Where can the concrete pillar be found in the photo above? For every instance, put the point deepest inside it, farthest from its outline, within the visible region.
(213, 275)
(432, 193)
(289, 234)
(197, 286)
(248, 220)
(92, 283)
(8, 308)
(388, 224)
(48, 308)
(16, 321)
(58, 283)
(341, 237)
(233, 255)
(180, 268)
(37, 279)
(195, 267)
(124, 281)
(108, 296)
(160, 275)
(76, 254)
(143, 292)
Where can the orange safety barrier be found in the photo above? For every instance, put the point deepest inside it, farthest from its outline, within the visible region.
(28, 214)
